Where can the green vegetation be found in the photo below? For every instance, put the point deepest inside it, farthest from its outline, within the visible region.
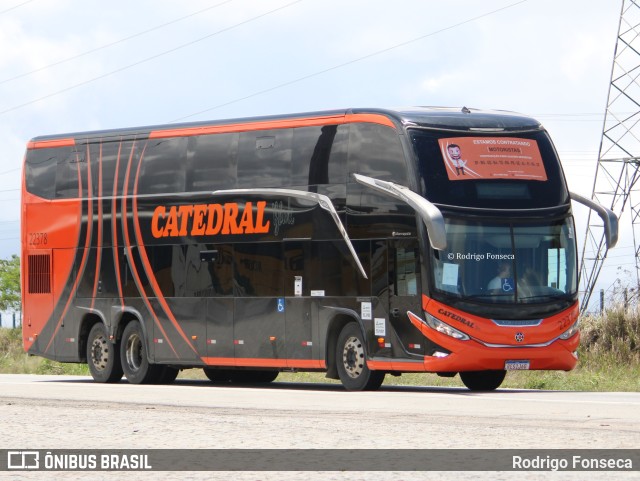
(13, 359)
(10, 284)
(609, 361)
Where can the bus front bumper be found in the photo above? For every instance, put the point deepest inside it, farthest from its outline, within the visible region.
(470, 354)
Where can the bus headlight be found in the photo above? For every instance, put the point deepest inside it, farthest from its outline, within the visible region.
(444, 328)
(570, 332)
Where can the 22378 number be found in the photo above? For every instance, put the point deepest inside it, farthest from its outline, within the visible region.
(38, 239)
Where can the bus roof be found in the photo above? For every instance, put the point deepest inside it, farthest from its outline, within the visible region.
(463, 119)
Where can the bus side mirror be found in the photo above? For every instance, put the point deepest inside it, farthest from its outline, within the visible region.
(429, 213)
(609, 219)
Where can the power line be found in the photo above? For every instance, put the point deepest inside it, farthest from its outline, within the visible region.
(2, 12)
(9, 171)
(350, 62)
(148, 59)
(122, 40)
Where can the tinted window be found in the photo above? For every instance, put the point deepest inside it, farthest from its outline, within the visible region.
(334, 270)
(375, 151)
(194, 270)
(264, 158)
(40, 171)
(163, 166)
(70, 168)
(212, 162)
(319, 155)
(110, 151)
(258, 269)
(507, 193)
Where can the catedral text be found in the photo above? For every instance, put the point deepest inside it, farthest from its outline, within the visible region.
(209, 219)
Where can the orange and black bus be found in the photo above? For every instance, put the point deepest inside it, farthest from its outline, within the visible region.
(358, 242)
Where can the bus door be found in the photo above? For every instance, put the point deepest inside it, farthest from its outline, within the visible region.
(405, 293)
(259, 303)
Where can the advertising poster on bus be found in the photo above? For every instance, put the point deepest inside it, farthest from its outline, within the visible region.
(473, 158)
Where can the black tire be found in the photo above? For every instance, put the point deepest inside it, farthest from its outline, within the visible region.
(103, 357)
(351, 361)
(167, 375)
(483, 380)
(133, 356)
(218, 376)
(253, 377)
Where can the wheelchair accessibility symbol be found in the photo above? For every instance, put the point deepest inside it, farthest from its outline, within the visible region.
(507, 284)
(281, 304)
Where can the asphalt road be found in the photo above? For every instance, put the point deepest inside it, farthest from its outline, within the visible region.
(61, 412)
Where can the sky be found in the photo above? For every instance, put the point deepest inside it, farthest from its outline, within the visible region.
(77, 65)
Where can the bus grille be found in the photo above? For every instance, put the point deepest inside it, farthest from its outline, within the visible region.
(39, 273)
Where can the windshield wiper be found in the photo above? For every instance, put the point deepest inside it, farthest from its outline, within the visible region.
(486, 295)
(553, 297)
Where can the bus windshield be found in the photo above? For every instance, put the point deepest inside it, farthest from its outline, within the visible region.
(507, 262)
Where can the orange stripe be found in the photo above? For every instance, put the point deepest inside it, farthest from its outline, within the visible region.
(99, 240)
(50, 144)
(114, 227)
(147, 265)
(370, 118)
(127, 241)
(85, 254)
(401, 366)
(264, 362)
(273, 124)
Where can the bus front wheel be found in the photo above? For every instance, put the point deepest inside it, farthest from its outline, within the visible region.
(483, 380)
(133, 356)
(351, 361)
(103, 358)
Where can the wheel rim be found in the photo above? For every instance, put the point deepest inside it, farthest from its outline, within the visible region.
(353, 357)
(100, 353)
(133, 352)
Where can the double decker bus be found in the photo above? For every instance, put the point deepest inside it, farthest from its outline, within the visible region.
(360, 243)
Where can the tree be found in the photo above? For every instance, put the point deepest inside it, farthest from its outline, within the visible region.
(10, 284)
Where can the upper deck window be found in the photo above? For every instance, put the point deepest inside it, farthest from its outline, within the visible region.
(499, 171)
(375, 151)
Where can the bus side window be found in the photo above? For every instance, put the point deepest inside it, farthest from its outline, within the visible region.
(212, 162)
(319, 155)
(375, 151)
(163, 166)
(107, 152)
(71, 166)
(40, 171)
(264, 158)
(405, 271)
(258, 270)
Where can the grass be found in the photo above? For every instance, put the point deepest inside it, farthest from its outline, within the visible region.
(609, 360)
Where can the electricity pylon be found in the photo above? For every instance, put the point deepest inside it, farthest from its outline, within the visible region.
(617, 173)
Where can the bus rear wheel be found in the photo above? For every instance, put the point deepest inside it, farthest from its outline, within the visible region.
(166, 375)
(351, 361)
(483, 380)
(134, 359)
(103, 357)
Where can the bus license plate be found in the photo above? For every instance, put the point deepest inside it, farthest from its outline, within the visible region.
(516, 365)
